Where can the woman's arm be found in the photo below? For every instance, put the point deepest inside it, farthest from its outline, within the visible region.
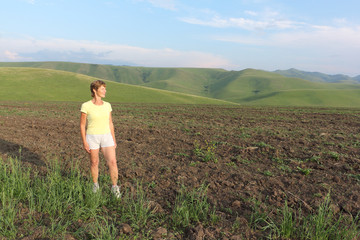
(112, 130)
(83, 132)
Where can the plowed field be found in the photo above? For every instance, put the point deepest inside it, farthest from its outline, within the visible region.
(243, 154)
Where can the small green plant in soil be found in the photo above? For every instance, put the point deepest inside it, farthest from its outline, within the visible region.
(305, 171)
(193, 164)
(284, 168)
(205, 153)
(334, 155)
(315, 159)
(282, 164)
(231, 164)
(264, 145)
(355, 176)
(356, 143)
(268, 173)
(181, 154)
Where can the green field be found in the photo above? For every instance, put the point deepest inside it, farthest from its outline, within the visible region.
(33, 84)
(247, 87)
(232, 172)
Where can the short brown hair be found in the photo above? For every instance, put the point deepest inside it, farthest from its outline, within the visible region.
(95, 86)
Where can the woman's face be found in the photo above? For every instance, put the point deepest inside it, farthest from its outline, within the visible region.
(101, 92)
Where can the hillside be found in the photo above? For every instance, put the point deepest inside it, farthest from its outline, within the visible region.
(190, 81)
(33, 84)
(254, 87)
(249, 86)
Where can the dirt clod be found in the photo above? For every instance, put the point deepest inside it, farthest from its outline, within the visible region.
(126, 229)
(161, 233)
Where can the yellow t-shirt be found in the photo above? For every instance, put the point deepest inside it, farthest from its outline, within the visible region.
(97, 117)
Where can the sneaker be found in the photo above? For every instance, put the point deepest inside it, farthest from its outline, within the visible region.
(95, 188)
(116, 191)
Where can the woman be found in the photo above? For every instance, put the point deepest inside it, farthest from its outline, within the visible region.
(99, 134)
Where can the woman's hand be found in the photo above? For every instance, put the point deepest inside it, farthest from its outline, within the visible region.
(86, 147)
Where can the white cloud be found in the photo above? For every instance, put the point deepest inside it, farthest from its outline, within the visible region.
(99, 52)
(252, 13)
(340, 21)
(318, 48)
(322, 37)
(165, 4)
(242, 39)
(11, 55)
(245, 23)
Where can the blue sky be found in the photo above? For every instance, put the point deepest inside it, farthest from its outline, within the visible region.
(310, 35)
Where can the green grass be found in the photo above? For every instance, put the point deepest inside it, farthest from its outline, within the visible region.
(320, 225)
(247, 87)
(61, 202)
(192, 207)
(33, 84)
(58, 200)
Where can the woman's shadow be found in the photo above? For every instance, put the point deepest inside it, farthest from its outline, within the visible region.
(16, 151)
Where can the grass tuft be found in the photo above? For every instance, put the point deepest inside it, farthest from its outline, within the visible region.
(192, 207)
(323, 224)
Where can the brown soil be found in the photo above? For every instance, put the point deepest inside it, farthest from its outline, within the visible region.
(272, 155)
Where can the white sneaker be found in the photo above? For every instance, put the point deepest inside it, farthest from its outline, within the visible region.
(116, 191)
(95, 188)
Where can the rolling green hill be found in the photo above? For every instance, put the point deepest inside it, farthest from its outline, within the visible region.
(310, 98)
(254, 87)
(249, 86)
(190, 81)
(33, 84)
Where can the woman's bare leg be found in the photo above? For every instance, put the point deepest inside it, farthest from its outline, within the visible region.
(110, 157)
(94, 164)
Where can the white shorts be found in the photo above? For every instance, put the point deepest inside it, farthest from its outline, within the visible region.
(100, 140)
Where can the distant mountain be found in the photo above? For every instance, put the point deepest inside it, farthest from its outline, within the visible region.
(248, 87)
(357, 78)
(317, 76)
